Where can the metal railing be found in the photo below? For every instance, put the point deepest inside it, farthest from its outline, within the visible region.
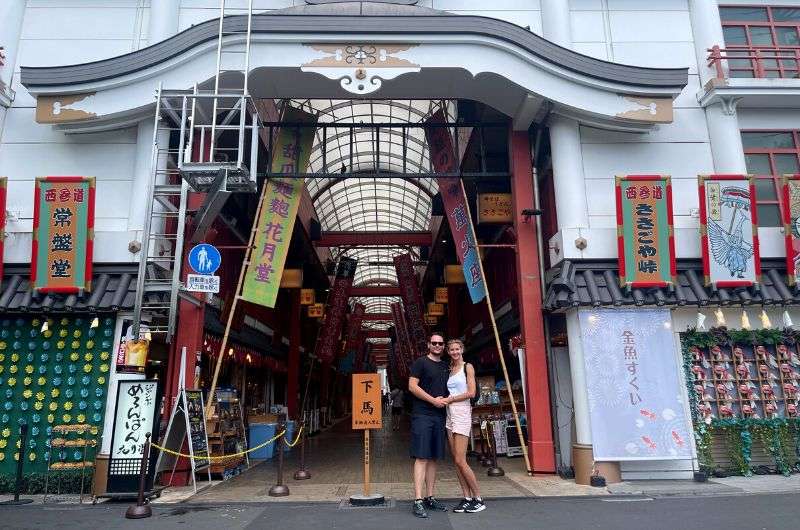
(755, 62)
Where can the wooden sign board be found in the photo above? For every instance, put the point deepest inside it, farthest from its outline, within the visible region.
(453, 275)
(292, 279)
(494, 208)
(316, 310)
(435, 310)
(367, 413)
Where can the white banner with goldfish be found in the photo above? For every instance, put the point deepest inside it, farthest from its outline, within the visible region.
(637, 402)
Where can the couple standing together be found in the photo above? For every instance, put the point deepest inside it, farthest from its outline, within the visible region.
(442, 386)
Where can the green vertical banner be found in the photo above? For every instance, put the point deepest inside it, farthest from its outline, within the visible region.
(63, 234)
(278, 211)
(645, 238)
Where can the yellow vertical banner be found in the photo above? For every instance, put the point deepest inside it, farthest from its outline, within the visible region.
(279, 210)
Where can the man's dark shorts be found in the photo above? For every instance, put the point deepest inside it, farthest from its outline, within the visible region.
(427, 437)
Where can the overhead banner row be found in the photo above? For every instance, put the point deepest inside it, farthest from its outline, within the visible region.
(728, 230)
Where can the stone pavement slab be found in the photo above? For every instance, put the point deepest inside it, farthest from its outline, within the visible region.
(670, 487)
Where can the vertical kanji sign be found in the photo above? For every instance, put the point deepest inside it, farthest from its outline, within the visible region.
(645, 239)
(328, 340)
(729, 230)
(278, 212)
(367, 412)
(63, 234)
(412, 302)
(791, 226)
(455, 205)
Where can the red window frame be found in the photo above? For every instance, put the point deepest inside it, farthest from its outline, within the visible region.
(774, 176)
(772, 60)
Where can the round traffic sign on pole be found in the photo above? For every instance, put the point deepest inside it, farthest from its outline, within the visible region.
(205, 259)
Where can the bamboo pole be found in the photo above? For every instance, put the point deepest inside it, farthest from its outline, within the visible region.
(497, 337)
(236, 297)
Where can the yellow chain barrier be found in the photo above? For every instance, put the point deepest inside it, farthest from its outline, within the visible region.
(223, 457)
(295, 440)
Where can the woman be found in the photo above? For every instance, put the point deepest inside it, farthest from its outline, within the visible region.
(461, 386)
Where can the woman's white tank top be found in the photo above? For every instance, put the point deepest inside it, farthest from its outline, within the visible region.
(457, 383)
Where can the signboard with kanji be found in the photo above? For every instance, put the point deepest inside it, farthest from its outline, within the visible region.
(455, 205)
(645, 240)
(440, 295)
(63, 234)
(367, 413)
(307, 296)
(328, 340)
(494, 208)
(791, 226)
(316, 310)
(412, 302)
(729, 230)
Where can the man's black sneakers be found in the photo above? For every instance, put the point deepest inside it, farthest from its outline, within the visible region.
(419, 509)
(433, 504)
(475, 505)
(461, 507)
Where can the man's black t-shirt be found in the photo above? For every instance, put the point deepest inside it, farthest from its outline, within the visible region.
(432, 377)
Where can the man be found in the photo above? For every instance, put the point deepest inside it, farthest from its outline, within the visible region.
(397, 407)
(428, 384)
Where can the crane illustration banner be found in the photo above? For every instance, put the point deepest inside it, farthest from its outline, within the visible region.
(729, 230)
(644, 231)
(637, 403)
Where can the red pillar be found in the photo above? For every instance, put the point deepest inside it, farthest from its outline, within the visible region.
(293, 374)
(540, 430)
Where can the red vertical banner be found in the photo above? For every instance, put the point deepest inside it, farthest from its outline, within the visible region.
(404, 349)
(354, 329)
(791, 226)
(455, 204)
(3, 194)
(328, 341)
(412, 302)
(358, 365)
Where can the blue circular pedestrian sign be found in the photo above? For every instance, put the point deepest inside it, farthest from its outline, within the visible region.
(204, 259)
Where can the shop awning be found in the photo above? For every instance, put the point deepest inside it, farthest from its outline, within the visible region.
(113, 289)
(596, 284)
(246, 336)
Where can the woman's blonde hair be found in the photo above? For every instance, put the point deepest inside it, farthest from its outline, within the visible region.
(455, 341)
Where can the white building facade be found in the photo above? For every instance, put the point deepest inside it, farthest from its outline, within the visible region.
(706, 114)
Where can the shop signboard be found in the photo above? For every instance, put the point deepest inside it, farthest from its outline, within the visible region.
(316, 310)
(63, 234)
(637, 402)
(3, 195)
(367, 410)
(791, 226)
(729, 230)
(435, 310)
(354, 328)
(440, 295)
(494, 208)
(328, 340)
(455, 206)
(431, 320)
(195, 413)
(412, 302)
(454, 275)
(134, 417)
(307, 296)
(645, 240)
(132, 352)
(279, 203)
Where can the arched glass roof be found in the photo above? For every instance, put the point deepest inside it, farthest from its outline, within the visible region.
(369, 202)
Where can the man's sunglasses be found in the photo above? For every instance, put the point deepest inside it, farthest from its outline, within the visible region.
(437, 343)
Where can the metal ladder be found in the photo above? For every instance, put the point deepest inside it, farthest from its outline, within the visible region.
(161, 254)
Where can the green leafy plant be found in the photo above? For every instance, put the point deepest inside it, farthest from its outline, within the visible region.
(65, 481)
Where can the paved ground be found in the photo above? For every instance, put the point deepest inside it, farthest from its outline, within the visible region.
(747, 512)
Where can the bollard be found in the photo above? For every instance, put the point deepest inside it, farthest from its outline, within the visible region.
(494, 470)
(23, 438)
(302, 473)
(279, 489)
(141, 510)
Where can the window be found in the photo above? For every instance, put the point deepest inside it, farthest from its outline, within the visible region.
(771, 37)
(769, 156)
